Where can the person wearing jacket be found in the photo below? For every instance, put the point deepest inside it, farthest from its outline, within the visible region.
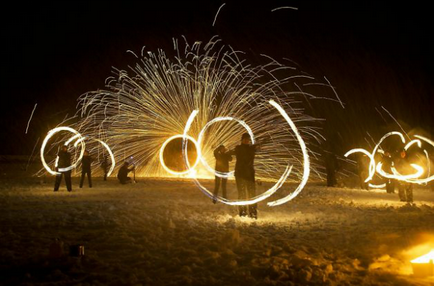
(245, 174)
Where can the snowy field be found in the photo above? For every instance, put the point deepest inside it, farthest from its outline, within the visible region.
(166, 232)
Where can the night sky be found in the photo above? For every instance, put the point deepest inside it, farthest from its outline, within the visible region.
(373, 54)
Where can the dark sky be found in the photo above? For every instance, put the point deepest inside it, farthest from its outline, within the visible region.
(374, 54)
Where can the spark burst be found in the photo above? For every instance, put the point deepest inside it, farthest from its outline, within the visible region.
(141, 108)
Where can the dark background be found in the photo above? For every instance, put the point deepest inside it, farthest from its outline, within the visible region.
(373, 54)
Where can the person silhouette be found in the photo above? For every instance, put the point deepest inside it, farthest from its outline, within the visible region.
(63, 161)
(245, 174)
(104, 167)
(221, 165)
(86, 162)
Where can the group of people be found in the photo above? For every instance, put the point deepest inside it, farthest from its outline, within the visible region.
(244, 172)
(64, 162)
(398, 159)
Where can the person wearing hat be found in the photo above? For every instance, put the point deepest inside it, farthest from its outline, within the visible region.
(222, 159)
(245, 174)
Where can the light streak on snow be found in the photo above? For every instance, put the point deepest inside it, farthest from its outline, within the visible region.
(306, 162)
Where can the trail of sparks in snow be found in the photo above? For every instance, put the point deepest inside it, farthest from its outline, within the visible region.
(410, 178)
(31, 116)
(143, 107)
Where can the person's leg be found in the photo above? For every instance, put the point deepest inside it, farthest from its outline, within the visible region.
(401, 192)
(409, 193)
(224, 183)
(83, 174)
(241, 188)
(57, 182)
(89, 177)
(68, 181)
(216, 188)
(251, 189)
(105, 175)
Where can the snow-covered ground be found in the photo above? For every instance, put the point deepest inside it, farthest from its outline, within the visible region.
(166, 232)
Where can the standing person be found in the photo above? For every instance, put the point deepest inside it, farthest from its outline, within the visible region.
(387, 167)
(245, 174)
(405, 189)
(123, 173)
(64, 161)
(362, 170)
(332, 166)
(104, 166)
(222, 159)
(86, 161)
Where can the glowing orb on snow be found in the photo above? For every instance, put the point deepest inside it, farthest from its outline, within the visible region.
(189, 169)
(50, 134)
(423, 265)
(200, 138)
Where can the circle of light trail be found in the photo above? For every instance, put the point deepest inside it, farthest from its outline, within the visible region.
(112, 157)
(277, 185)
(189, 169)
(306, 162)
(44, 143)
(410, 178)
(200, 138)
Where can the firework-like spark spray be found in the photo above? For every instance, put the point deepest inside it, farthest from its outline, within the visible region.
(143, 107)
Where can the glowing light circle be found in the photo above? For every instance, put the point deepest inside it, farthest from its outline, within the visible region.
(189, 169)
(112, 157)
(48, 137)
(200, 138)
